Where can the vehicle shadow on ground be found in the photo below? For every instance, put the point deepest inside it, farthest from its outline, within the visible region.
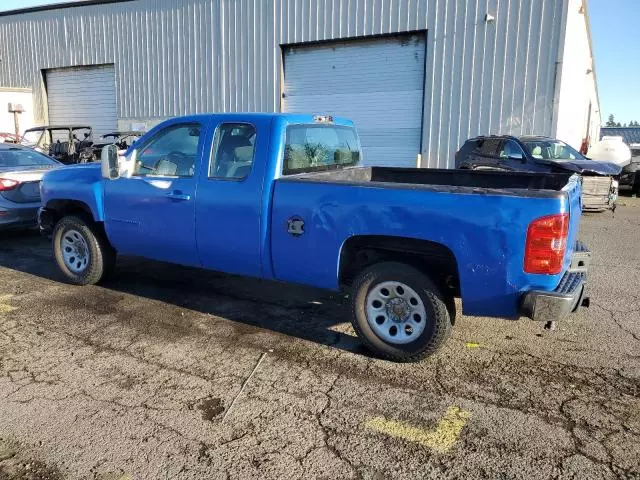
(302, 312)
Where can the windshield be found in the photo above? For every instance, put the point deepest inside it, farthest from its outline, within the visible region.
(320, 147)
(32, 136)
(15, 157)
(551, 150)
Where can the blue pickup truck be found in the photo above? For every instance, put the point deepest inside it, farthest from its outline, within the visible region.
(285, 198)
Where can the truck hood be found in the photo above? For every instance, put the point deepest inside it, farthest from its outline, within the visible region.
(584, 166)
(83, 166)
(81, 172)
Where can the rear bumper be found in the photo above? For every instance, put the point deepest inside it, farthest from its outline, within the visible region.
(24, 216)
(550, 306)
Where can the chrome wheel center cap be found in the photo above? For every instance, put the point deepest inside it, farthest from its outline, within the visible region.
(80, 250)
(398, 309)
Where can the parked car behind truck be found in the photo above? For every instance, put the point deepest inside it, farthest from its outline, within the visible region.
(630, 177)
(21, 170)
(283, 197)
(544, 155)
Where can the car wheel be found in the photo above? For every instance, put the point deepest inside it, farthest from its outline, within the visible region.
(82, 253)
(399, 313)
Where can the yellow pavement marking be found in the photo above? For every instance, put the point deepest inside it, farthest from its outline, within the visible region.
(440, 439)
(5, 307)
(471, 345)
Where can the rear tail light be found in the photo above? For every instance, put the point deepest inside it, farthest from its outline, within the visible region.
(8, 184)
(546, 244)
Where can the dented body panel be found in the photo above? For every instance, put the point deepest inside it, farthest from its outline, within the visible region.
(484, 229)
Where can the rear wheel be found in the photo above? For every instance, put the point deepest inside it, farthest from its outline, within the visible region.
(82, 252)
(399, 313)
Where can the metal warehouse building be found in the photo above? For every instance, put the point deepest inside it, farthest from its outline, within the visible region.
(418, 76)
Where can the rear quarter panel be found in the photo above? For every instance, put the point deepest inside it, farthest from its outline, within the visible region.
(82, 183)
(485, 231)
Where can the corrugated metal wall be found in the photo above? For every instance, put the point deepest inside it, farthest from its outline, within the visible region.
(174, 57)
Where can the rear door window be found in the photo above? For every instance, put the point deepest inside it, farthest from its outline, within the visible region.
(311, 148)
(511, 150)
(467, 148)
(233, 151)
(490, 147)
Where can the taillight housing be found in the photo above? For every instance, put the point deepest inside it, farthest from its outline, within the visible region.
(546, 244)
(8, 184)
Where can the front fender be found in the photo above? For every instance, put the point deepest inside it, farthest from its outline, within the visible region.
(77, 183)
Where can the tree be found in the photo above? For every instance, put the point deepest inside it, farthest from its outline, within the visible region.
(611, 122)
(618, 124)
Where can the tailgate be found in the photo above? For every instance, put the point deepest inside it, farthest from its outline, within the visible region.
(574, 195)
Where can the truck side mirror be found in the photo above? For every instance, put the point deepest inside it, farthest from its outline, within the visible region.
(110, 167)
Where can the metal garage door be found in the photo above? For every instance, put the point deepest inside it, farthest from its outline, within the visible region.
(84, 96)
(377, 83)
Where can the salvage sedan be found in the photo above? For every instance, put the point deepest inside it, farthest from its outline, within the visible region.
(543, 155)
(21, 170)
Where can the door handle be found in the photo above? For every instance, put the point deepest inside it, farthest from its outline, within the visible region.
(178, 196)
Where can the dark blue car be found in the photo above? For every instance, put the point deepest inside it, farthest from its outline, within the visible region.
(543, 155)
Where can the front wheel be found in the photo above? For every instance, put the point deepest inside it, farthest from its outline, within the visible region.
(399, 313)
(82, 252)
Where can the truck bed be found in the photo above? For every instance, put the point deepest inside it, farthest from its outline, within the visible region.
(515, 183)
(481, 217)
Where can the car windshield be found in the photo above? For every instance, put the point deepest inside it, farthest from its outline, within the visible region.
(32, 136)
(15, 157)
(551, 150)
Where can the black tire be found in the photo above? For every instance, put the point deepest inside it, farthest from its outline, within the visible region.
(102, 256)
(437, 307)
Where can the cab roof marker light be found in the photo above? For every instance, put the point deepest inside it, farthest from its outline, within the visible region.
(323, 119)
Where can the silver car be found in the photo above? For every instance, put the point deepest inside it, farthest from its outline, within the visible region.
(21, 169)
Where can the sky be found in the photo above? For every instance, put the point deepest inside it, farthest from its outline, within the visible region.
(616, 44)
(15, 4)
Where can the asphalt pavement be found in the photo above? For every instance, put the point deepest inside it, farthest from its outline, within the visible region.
(167, 372)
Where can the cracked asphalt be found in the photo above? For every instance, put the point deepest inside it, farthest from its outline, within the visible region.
(167, 372)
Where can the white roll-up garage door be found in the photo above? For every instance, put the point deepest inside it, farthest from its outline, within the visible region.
(377, 83)
(83, 96)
